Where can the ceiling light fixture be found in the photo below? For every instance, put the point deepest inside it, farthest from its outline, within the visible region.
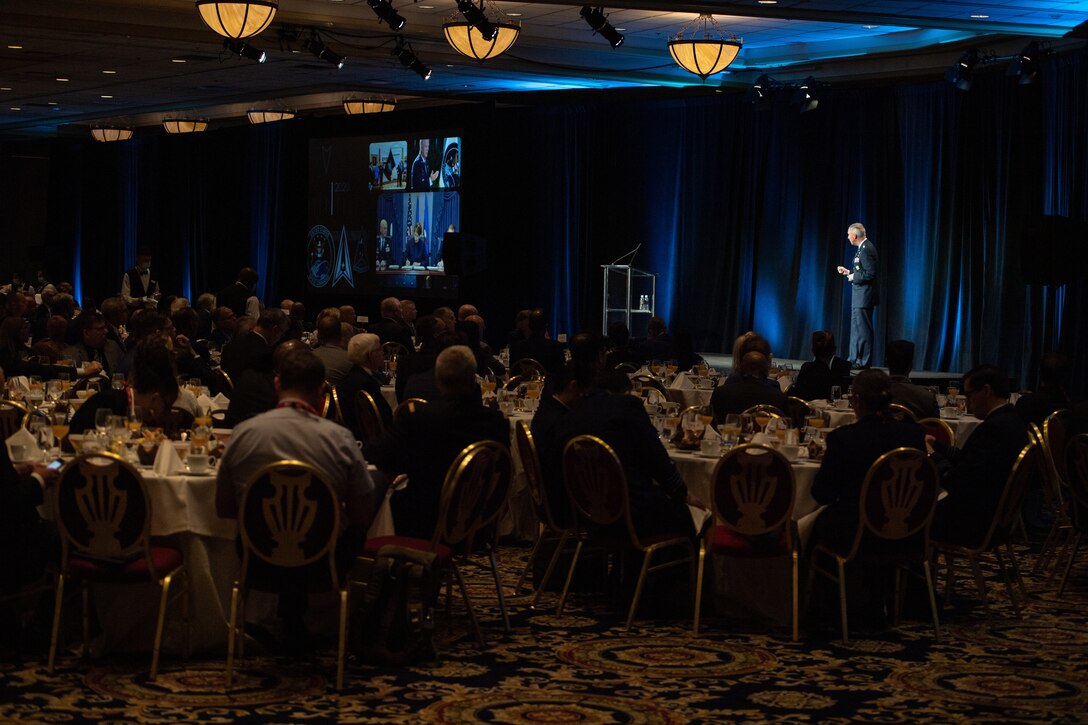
(597, 20)
(270, 115)
(106, 134)
(403, 52)
(478, 37)
(237, 18)
(707, 55)
(245, 50)
(110, 72)
(356, 106)
(322, 51)
(384, 10)
(184, 125)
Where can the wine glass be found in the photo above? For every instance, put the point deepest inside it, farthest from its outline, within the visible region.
(102, 420)
(135, 419)
(118, 381)
(730, 429)
(59, 425)
(117, 428)
(836, 393)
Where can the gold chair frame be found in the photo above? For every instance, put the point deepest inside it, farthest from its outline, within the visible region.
(1076, 454)
(901, 413)
(930, 423)
(13, 416)
(408, 405)
(527, 366)
(367, 417)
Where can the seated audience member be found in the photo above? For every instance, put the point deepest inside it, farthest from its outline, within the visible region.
(295, 430)
(466, 311)
(975, 475)
(521, 327)
(205, 310)
(115, 312)
(657, 493)
(224, 324)
(899, 356)
(153, 386)
(424, 442)
(1050, 394)
(408, 315)
(254, 390)
(683, 351)
(815, 378)
(562, 393)
(746, 388)
(347, 315)
(483, 332)
(427, 327)
(390, 328)
(445, 314)
(365, 353)
(52, 346)
(619, 340)
(422, 384)
(657, 345)
(236, 295)
(851, 450)
(587, 349)
(485, 361)
(538, 346)
(193, 357)
(94, 345)
(746, 343)
(329, 350)
(14, 349)
(254, 349)
(26, 546)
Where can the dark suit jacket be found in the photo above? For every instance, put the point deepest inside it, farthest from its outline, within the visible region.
(422, 361)
(742, 393)
(234, 296)
(657, 491)
(248, 352)
(545, 428)
(253, 394)
(865, 285)
(975, 476)
(548, 353)
(422, 444)
(358, 379)
(25, 547)
(655, 348)
(920, 401)
(815, 379)
(390, 330)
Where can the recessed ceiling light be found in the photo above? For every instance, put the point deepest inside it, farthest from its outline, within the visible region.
(16, 108)
(53, 103)
(105, 96)
(514, 15)
(980, 17)
(62, 80)
(5, 88)
(870, 27)
(620, 30)
(428, 7)
(177, 60)
(768, 2)
(15, 47)
(110, 72)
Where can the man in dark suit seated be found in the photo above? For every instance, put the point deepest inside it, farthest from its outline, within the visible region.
(255, 390)
(619, 340)
(224, 325)
(423, 443)
(657, 345)
(427, 327)
(254, 349)
(1050, 395)
(747, 388)
(390, 328)
(900, 356)
(816, 377)
(238, 292)
(975, 475)
(537, 345)
(562, 393)
(365, 354)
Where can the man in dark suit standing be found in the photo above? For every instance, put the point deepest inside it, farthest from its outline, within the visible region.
(235, 294)
(864, 295)
(254, 349)
(975, 475)
(815, 378)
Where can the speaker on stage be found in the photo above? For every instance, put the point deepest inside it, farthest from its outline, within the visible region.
(464, 254)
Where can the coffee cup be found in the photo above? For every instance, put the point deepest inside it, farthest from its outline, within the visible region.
(709, 446)
(198, 462)
(950, 411)
(842, 404)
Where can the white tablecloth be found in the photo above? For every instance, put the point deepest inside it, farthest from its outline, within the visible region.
(389, 392)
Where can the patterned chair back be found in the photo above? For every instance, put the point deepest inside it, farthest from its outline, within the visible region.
(754, 490)
(474, 492)
(11, 418)
(899, 495)
(534, 477)
(595, 481)
(940, 430)
(1029, 464)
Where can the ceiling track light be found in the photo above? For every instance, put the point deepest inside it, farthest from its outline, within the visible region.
(356, 106)
(385, 12)
(322, 51)
(1024, 66)
(805, 96)
(403, 52)
(245, 50)
(184, 125)
(476, 36)
(237, 18)
(597, 20)
(962, 72)
(475, 17)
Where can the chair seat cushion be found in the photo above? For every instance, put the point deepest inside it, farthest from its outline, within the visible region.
(166, 560)
(441, 552)
(729, 541)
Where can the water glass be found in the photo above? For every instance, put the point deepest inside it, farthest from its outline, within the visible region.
(118, 381)
(836, 392)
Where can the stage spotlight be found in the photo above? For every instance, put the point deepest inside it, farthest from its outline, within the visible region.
(805, 96)
(322, 51)
(245, 50)
(599, 22)
(1025, 65)
(759, 95)
(384, 10)
(961, 73)
(409, 60)
(475, 17)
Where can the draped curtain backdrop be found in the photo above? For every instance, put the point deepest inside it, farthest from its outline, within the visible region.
(741, 213)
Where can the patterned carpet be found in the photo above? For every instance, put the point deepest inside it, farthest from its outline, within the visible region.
(583, 668)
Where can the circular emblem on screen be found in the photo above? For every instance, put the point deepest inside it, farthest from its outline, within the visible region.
(319, 250)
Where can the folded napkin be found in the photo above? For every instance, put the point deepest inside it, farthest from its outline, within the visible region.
(220, 401)
(784, 382)
(20, 381)
(23, 437)
(205, 404)
(681, 382)
(167, 461)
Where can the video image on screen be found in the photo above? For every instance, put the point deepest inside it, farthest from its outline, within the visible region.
(411, 229)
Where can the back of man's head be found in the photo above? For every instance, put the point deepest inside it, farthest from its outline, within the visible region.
(145, 323)
(755, 364)
(328, 330)
(899, 356)
(823, 344)
(618, 334)
(248, 277)
(655, 327)
(425, 329)
(391, 308)
(272, 319)
(302, 373)
(56, 327)
(114, 309)
(455, 371)
(465, 311)
(538, 323)
(205, 301)
(988, 375)
(1054, 370)
(446, 315)
(871, 391)
(361, 345)
(153, 370)
(587, 348)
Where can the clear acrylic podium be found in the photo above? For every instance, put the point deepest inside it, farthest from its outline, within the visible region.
(629, 297)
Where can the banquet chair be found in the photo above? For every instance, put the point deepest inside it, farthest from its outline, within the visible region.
(753, 492)
(408, 405)
(895, 510)
(515, 381)
(85, 380)
(103, 517)
(549, 530)
(1077, 489)
(473, 495)
(221, 383)
(901, 413)
(528, 367)
(651, 382)
(765, 408)
(799, 410)
(289, 524)
(940, 430)
(391, 348)
(597, 487)
(368, 419)
(330, 403)
(1054, 484)
(1006, 516)
(626, 367)
(12, 415)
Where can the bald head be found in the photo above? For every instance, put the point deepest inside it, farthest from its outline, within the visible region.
(466, 311)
